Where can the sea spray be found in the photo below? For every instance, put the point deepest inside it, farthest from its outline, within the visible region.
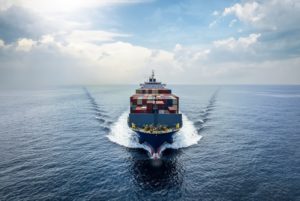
(121, 134)
(186, 136)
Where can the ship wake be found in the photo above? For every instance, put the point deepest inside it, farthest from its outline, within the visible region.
(204, 115)
(121, 134)
(100, 114)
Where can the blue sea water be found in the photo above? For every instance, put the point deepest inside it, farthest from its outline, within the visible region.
(72, 143)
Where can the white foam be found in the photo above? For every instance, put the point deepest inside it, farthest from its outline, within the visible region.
(123, 135)
(187, 136)
(201, 121)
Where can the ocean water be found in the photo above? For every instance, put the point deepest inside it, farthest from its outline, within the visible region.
(72, 143)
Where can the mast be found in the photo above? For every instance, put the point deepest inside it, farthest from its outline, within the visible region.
(152, 79)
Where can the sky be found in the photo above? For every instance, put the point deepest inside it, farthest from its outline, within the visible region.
(82, 42)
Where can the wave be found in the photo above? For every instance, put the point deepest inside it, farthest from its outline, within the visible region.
(279, 95)
(100, 114)
(187, 136)
(121, 134)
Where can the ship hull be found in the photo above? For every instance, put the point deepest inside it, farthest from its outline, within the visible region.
(155, 141)
(137, 121)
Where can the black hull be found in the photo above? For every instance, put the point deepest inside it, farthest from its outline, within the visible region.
(155, 141)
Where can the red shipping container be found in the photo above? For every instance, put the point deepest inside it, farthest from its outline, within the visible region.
(160, 102)
(139, 111)
(144, 101)
(150, 106)
(150, 102)
(172, 109)
(150, 110)
(161, 107)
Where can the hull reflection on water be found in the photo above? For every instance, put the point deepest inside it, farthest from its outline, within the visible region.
(151, 174)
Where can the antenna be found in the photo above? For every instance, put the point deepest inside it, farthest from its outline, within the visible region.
(152, 73)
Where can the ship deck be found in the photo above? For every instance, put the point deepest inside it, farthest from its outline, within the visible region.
(161, 132)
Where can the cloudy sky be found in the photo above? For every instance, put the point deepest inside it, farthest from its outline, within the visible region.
(121, 41)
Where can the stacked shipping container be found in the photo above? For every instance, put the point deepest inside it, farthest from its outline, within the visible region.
(154, 102)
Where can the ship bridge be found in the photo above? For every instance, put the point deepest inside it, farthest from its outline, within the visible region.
(152, 83)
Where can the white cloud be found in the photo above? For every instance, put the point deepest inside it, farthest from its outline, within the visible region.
(248, 12)
(5, 4)
(2, 44)
(34, 18)
(240, 43)
(215, 13)
(212, 24)
(111, 62)
(93, 36)
(178, 47)
(272, 15)
(46, 39)
(232, 22)
(188, 58)
(267, 72)
(119, 62)
(200, 55)
(25, 44)
(50, 6)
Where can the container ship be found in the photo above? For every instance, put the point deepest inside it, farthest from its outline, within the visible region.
(154, 114)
